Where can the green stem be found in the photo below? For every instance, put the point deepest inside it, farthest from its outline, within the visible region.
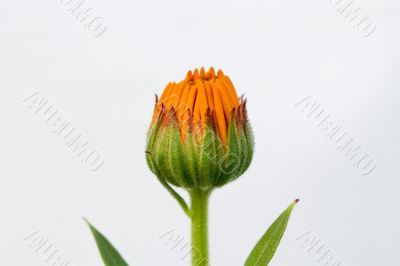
(199, 211)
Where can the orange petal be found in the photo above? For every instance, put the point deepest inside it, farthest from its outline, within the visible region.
(231, 90)
(212, 72)
(225, 99)
(166, 92)
(219, 113)
(202, 72)
(189, 106)
(195, 74)
(167, 101)
(188, 77)
(201, 104)
(209, 93)
(208, 75)
(191, 98)
(175, 95)
(182, 106)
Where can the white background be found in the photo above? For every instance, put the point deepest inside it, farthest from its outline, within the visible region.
(276, 52)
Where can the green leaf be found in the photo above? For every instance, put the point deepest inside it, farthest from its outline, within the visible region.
(108, 253)
(266, 247)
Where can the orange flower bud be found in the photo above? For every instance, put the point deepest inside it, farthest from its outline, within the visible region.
(215, 143)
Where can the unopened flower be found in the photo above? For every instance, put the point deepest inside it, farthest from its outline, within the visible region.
(199, 135)
(200, 139)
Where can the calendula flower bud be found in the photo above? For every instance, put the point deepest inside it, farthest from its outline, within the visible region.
(200, 136)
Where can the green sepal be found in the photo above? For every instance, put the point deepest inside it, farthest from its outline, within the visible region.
(192, 156)
(151, 140)
(248, 131)
(177, 157)
(233, 158)
(162, 156)
(220, 150)
(207, 165)
(244, 152)
(163, 182)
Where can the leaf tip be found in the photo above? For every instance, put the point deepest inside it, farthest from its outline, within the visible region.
(86, 221)
(296, 201)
